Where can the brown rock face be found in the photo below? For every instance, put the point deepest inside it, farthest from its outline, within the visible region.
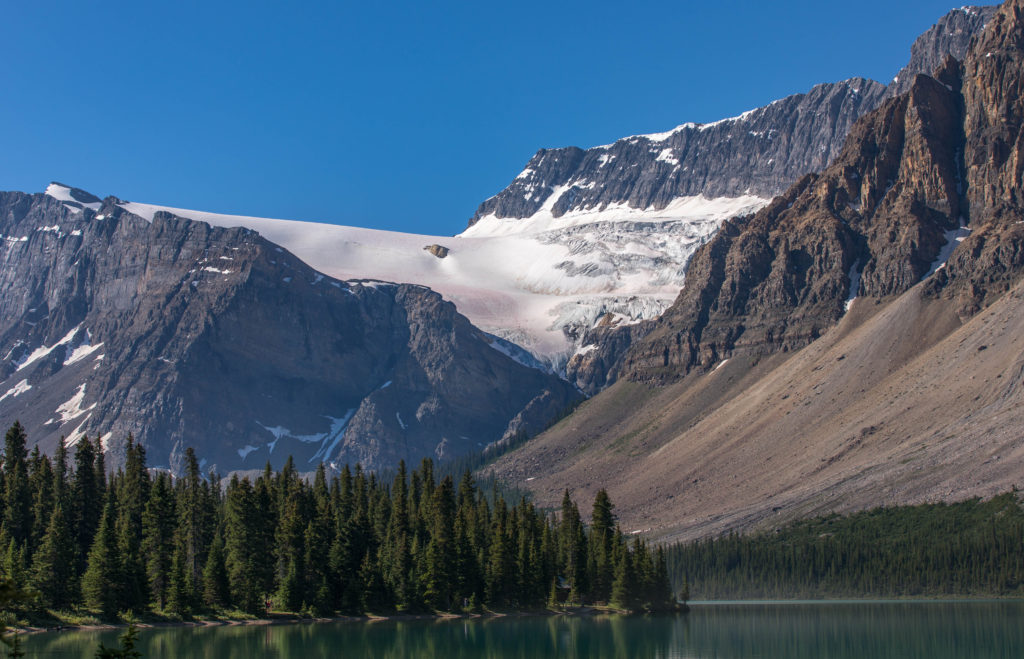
(913, 394)
(990, 259)
(939, 164)
(951, 35)
(911, 155)
(440, 251)
(776, 281)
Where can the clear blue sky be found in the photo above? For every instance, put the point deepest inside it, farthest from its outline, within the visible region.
(402, 115)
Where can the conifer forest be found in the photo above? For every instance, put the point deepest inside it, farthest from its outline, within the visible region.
(973, 548)
(77, 535)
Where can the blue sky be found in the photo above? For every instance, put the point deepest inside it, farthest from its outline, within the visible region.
(401, 116)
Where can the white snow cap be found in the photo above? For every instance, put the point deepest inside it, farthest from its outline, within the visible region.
(63, 193)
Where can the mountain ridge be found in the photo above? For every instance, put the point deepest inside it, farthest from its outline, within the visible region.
(114, 324)
(853, 343)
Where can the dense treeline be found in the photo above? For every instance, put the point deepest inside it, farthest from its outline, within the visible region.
(970, 548)
(80, 536)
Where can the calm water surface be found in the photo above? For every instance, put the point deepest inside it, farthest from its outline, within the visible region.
(834, 630)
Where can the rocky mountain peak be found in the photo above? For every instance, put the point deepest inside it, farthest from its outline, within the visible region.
(889, 212)
(186, 334)
(951, 35)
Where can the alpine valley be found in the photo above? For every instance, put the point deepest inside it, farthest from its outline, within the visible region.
(813, 306)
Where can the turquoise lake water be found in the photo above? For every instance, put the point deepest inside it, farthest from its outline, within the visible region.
(826, 630)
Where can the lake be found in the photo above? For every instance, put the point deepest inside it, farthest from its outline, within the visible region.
(782, 630)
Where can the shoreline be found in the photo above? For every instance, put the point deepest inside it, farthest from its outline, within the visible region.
(292, 619)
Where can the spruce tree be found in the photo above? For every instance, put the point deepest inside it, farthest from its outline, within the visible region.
(17, 513)
(179, 599)
(573, 549)
(40, 478)
(241, 549)
(318, 543)
(215, 577)
(132, 491)
(440, 556)
(102, 584)
(599, 557)
(53, 568)
(263, 525)
(195, 527)
(395, 550)
(157, 547)
(61, 491)
(623, 585)
(291, 549)
(87, 501)
(15, 561)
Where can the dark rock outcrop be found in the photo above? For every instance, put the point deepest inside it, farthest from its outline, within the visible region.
(989, 259)
(886, 208)
(758, 153)
(761, 152)
(894, 267)
(440, 251)
(190, 335)
(951, 35)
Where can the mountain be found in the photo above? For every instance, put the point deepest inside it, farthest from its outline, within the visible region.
(610, 249)
(537, 286)
(951, 35)
(185, 334)
(855, 342)
(758, 153)
(597, 362)
(561, 273)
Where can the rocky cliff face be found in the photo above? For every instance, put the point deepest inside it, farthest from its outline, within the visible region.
(990, 257)
(190, 335)
(872, 225)
(876, 219)
(757, 153)
(932, 173)
(951, 35)
(855, 343)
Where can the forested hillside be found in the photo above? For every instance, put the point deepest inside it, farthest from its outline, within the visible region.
(973, 548)
(128, 541)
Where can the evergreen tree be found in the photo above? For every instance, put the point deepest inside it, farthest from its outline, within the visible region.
(662, 598)
(195, 526)
(263, 525)
(439, 578)
(395, 556)
(179, 599)
(15, 562)
(623, 594)
(241, 546)
(87, 501)
(53, 568)
(132, 491)
(17, 513)
(216, 588)
(599, 554)
(500, 575)
(61, 492)
(573, 549)
(102, 583)
(291, 554)
(318, 543)
(157, 546)
(40, 478)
